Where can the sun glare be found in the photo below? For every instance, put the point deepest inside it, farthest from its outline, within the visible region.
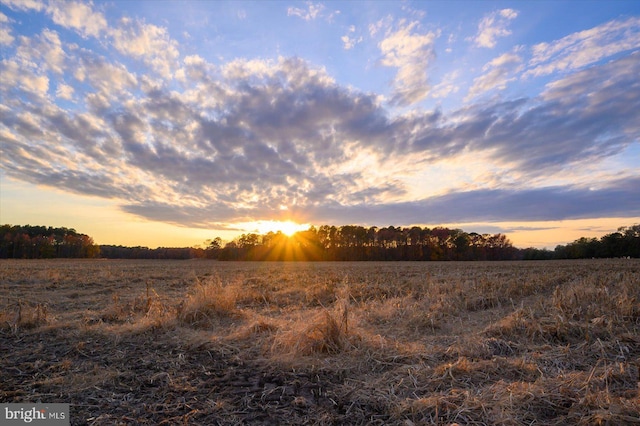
(286, 227)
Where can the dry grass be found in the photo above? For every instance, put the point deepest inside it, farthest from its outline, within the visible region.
(209, 303)
(202, 342)
(23, 315)
(325, 332)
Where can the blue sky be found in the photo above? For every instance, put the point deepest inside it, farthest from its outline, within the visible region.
(167, 123)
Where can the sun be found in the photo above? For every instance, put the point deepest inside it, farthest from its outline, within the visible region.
(287, 227)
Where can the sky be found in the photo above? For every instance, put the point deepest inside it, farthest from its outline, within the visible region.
(170, 123)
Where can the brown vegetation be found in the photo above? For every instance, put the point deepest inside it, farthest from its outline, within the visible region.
(205, 342)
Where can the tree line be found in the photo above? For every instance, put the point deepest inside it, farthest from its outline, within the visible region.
(122, 252)
(352, 242)
(625, 242)
(41, 242)
(338, 243)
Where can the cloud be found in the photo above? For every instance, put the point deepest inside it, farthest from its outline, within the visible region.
(64, 91)
(263, 146)
(585, 47)
(498, 73)
(350, 42)
(148, 42)
(45, 50)
(236, 141)
(5, 36)
(312, 11)
(34, 58)
(585, 117)
(134, 38)
(493, 26)
(5, 30)
(411, 53)
(619, 199)
(79, 16)
(447, 86)
(284, 133)
(109, 80)
(25, 78)
(25, 4)
(384, 23)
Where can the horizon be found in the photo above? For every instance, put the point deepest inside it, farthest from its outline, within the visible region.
(170, 125)
(291, 231)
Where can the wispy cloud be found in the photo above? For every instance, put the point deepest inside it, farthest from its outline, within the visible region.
(36, 5)
(313, 11)
(382, 24)
(498, 73)
(585, 47)
(447, 86)
(493, 26)
(349, 39)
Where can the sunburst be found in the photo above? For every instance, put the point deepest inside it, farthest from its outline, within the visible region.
(287, 227)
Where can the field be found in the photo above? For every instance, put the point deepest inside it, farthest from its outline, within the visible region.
(206, 342)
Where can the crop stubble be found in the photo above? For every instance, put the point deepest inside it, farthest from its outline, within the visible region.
(205, 342)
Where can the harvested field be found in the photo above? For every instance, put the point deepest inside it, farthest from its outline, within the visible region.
(206, 342)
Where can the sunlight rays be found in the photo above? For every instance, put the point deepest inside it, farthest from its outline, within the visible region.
(287, 227)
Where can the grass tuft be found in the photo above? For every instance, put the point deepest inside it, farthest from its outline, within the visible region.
(208, 304)
(327, 332)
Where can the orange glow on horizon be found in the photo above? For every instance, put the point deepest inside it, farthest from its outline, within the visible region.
(287, 227)
(282, 240)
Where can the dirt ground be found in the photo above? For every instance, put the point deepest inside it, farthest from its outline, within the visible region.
(205, 342)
